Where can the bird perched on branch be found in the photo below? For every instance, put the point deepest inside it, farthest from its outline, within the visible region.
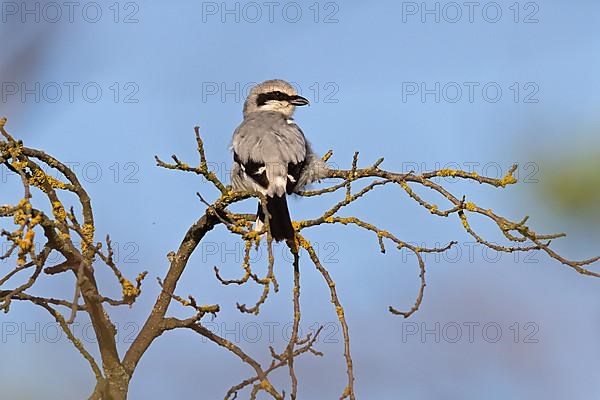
(271, 154)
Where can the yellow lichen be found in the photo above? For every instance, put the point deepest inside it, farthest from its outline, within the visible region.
(39, 179)
(447, 172)
(26, 242)
(265, 385)
(237, 229)
(302, 242)
(509, 179)
(464, 221)
(129, 291)
(59, 211)
(23, 212)
(346, 220)
(20, 218)
(25, 204)
(87, 230)
(241, 221)
(252, 235)
(470, 206)
(35, 220)
(15, 151)
(19, 164)
(141, 277)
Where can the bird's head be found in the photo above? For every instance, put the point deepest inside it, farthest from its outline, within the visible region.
(273, 95)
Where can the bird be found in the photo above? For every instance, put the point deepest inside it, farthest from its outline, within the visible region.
(271, 154)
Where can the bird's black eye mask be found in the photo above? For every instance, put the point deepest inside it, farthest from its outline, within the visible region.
(296, 100)
(262, 98)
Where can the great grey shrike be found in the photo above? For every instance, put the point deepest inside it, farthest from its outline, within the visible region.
(271, 154)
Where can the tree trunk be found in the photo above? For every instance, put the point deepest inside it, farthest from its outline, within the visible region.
(115, 388)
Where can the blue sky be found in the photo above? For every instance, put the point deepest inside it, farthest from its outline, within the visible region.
(158, 78)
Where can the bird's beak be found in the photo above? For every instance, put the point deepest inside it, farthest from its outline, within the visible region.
(299, 101)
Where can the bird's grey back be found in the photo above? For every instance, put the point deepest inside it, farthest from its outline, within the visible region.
(269, 137)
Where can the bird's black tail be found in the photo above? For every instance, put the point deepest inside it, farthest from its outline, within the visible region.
(280, 224)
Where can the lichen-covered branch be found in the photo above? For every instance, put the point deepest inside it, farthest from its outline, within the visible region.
(69, 231)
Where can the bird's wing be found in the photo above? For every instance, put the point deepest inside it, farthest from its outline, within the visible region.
(271, 151)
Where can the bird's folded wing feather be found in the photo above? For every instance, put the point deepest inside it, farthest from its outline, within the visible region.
(270, 150)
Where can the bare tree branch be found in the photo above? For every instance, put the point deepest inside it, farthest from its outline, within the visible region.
(113, 372)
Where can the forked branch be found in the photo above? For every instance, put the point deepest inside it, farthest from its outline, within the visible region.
(74, 241)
